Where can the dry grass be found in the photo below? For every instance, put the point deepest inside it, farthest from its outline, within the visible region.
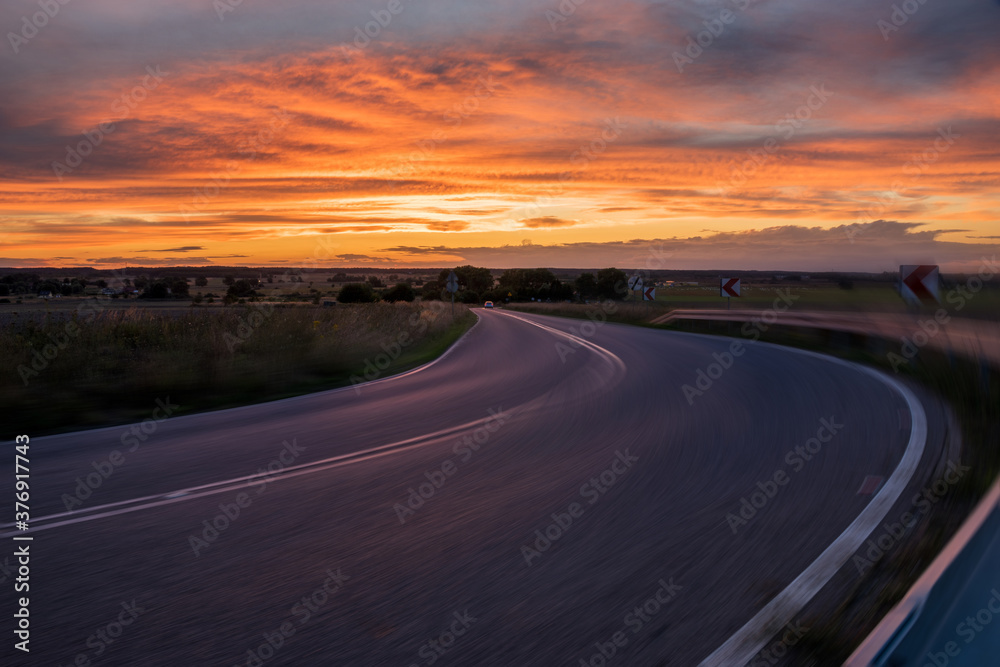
(113, 365)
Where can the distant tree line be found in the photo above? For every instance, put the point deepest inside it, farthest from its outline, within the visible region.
(477, 284)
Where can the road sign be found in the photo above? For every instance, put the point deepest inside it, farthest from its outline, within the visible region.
(452, 284)
(729, 287)
(649, 294)
(919, 282)
(635, 282)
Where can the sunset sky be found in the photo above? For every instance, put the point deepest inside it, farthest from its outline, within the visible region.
(800, 135)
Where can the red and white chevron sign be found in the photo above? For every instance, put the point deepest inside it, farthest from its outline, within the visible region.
(919, 282)
(649, 294)
(729, 287)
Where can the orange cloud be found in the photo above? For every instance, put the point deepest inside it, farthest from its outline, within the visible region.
(491, 123)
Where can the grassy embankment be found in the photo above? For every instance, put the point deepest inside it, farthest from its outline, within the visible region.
(882, 299)
(111, 367)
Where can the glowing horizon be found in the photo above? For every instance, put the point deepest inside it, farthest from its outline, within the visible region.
(799, 137)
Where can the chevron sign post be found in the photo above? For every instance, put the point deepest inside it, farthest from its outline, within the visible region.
(919, 283)
(649, 294)
(729, 287)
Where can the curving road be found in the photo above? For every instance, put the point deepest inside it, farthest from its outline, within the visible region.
(332, 560)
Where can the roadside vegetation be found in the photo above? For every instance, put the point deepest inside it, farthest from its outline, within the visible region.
(84, 368)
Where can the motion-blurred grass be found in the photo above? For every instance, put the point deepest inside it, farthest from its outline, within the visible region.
(119, 362)
(882, 298)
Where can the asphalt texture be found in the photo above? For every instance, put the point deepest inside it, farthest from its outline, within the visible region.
(576, 500)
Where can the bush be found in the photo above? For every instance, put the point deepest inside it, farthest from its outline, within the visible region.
(612, 284)
(156, 291)
(468, 296)
(356, 293)
(431, 291)
(586, 285)
(241, 288)
(401, 292)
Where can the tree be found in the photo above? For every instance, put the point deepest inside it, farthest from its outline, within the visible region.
(241, 289)
(401, 292)
(228, 280)
(528, 283)
(496, 295)
(472, 278)
(431, 290)
(156, 291)
(612, 284)
(179, 288)
(375, 281)
(201, 281)
(560, 291)
(586, 285)
(356, 293)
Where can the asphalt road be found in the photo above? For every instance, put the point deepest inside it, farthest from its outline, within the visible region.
(329, 563)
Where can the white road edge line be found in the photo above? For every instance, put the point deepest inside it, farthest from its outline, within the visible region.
(604, 353)
(752, 637)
